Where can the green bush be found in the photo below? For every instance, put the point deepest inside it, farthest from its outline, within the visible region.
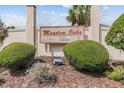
(115, 37)
(87, 55)
(17, 55)
(117, 74)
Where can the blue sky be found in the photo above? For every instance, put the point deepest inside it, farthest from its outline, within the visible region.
(51, 15)
(110, 13)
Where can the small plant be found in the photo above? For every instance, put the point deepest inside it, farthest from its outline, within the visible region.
(87, 55)
(42, 72)
(1, 79)
(116, 74)
(17, 55)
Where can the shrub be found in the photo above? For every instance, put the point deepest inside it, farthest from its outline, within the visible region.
(87, 55)
(42, 72)
(3, 31)
(117, 74)
(115, 37)
(17, 55)
(2, 80)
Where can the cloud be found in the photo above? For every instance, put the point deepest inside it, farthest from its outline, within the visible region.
(44, 12)
(12, 19)
(67, 6)
(52, 12)
(106, 7)
(53, 19)
(64, 14)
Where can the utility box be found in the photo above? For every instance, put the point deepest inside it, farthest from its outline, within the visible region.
(57, 61)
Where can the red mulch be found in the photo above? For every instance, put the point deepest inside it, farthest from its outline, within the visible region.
(67, 77)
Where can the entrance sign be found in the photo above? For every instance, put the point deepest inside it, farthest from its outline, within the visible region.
(61, 34)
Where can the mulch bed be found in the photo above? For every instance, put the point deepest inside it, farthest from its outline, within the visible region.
(67, 77)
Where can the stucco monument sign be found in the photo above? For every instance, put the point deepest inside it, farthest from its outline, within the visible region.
(32, 33)
(61, 34)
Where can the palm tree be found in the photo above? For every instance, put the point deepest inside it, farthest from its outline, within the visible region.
(72, 17)
(79, 15)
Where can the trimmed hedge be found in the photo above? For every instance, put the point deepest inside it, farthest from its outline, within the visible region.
(17, 55)
(115, 37)
(87, 55)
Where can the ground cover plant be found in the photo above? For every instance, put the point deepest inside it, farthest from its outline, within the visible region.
(87, 55)
(1, 79)
(17, 55)
(117, 74)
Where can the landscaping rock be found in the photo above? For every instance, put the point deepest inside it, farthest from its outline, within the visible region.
(67, 77)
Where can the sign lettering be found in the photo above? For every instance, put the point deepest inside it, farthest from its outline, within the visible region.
(70, 32)
(61, 34)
